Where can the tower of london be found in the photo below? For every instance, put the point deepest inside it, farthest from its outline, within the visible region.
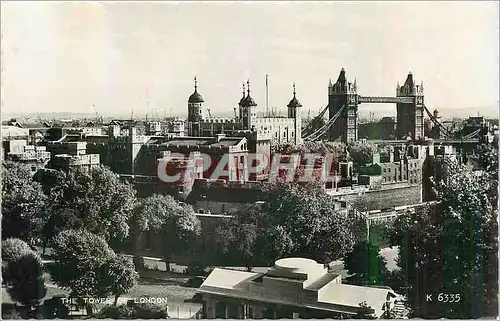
(276, 129)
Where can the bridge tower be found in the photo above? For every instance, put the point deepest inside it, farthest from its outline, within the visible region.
(343, 93)
(410, 116)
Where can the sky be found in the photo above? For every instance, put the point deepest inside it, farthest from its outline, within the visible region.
(69, 56)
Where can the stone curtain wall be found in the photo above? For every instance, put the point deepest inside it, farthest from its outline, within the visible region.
(387, 198)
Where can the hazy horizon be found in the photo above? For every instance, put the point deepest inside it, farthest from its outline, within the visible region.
(68, 56)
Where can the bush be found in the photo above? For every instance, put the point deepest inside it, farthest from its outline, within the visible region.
(54, 308)
(116, 312)
(24, 279)
(195, 269)
(13, 249)
(149, 311)
(133, 311)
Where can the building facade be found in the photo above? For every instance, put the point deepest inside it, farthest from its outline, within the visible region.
(288, 129)
(292, 288)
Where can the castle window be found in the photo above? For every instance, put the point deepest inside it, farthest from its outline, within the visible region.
(276, 135)
(284, 134)
(292, 134)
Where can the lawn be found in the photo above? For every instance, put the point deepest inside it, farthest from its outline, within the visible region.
(171, 288)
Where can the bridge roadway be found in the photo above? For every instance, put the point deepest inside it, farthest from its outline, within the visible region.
(385, 100)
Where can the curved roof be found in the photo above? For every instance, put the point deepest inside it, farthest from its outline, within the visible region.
(195, 97)
(248, 101)
(294, 102)
(297, 265)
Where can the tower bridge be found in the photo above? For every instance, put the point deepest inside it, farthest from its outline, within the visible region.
(344, 101)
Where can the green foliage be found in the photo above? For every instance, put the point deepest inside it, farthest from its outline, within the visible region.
(23, 277)
(175, 224)
(96, 200)
(294, 221)
(452, 248)
(369, 267)
(133, 311)
(338, 150)
(118, 275)
(88, 267)
(54, 308)
(361, 153)
(365, 312)
(236, 238)
(23, 203)
(13, 248)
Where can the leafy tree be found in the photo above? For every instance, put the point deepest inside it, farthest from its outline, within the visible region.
(295, 220)
(367, 264)
(23, 276)
(452, 248)
(338, 150)
(96, 200)
(88, 267)
(23, 202)
(174, 224)
(236, 238)
(361, 153)
(54, 308)
(118, 276)
(13, 248)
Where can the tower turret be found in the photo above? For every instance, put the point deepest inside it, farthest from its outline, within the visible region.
(247, 114)
(410, 116)
(294, 111)
(240, 104)
(195, 111)
(344, 94)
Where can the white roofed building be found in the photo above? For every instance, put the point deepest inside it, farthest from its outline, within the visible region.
(293, 288)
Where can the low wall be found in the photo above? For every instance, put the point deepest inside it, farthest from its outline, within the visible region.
(387, 197)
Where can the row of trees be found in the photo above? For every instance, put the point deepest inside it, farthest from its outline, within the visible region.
(294, 221)
(86, 218)
(360, 153)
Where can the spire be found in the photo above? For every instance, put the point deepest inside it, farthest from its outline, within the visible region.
(195, 97)
(243, 89)
(248, 101)
(294, 102)
(342, 80)
(330, 83)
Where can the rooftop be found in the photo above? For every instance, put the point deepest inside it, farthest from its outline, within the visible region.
(282, 284)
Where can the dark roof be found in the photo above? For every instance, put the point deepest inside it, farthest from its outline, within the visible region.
(197, 141)
(342, 80)
(195, 97)
(294, 102)
(96, 139)
(248, 102)
(409, 80)
(226, 142)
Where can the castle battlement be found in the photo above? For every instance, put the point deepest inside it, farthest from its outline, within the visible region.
(219, 120)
